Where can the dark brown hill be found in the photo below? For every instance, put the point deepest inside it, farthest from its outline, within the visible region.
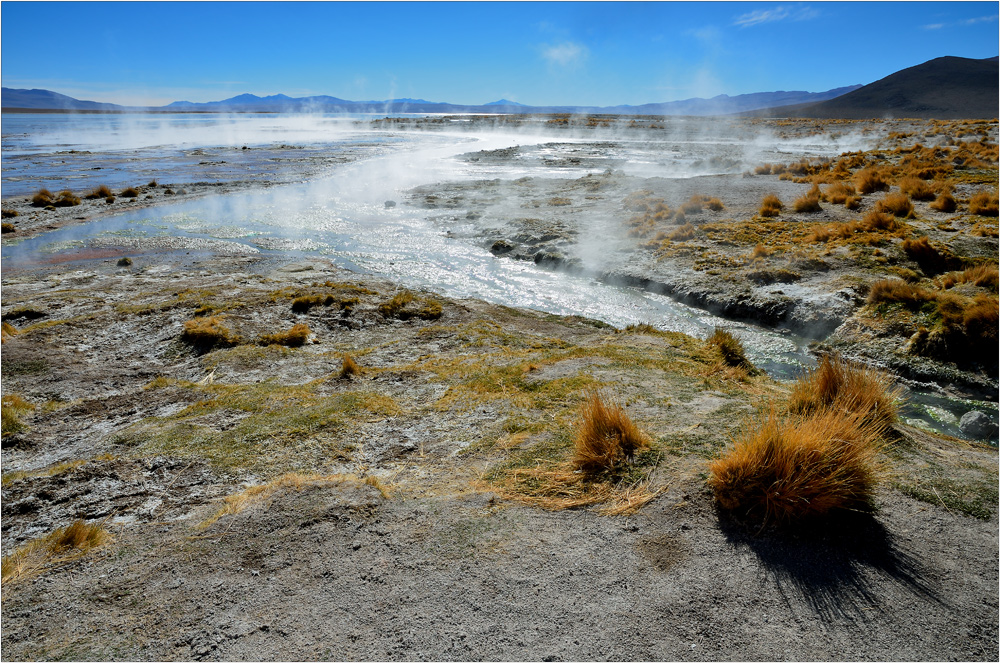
(944, 88)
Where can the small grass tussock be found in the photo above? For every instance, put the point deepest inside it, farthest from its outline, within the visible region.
(984, 204)
(897, 204)
(7, 331)
(683, 233)
(102, 191)
(809, 202)
(406, 305)
(64, 545)
(129, 192)
(12, 407)
(43, 198)
(981, 276)
(606, 436)
(916, 188)
(945, 202)
(9, 214)
(869, 180)
(781, 471)
(849, 388)
(932, 259)
(295, 337)
(208, 333)
(771, 206)
(349, 368)
(839, 193)
(730, 351)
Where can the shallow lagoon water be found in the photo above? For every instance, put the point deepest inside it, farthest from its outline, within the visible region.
(342, 214)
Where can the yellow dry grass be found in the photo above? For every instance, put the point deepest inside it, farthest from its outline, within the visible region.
(61, 546)
(349, 368)
(784, 470)
(848, 388)
(606, 436)
(261, 495)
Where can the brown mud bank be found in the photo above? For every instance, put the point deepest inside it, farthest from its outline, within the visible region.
(262, 502)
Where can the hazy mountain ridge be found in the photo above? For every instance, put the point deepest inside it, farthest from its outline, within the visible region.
(945, 88)
(721, 104)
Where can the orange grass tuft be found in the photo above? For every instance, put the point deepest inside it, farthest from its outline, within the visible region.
(349, 367)
(945, 202)
(62, 545)
(295, 337)
(984, 204)
(916, 188)
(606, 436)
(771, 206)
(897, 204)
(787, 470)
(847, 388)
(809, 202)
(870, 180)
(209, 333)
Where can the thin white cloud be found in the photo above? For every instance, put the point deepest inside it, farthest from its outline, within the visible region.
(778, 13)
(962, 23)
(566, 54)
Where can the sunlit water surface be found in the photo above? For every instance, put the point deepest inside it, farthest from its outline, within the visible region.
(342, 214)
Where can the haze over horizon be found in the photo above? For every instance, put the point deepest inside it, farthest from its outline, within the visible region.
(541, 54)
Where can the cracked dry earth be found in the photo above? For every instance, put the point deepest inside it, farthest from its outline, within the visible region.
(386, 523)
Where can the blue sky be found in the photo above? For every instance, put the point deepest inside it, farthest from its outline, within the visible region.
(560, 53)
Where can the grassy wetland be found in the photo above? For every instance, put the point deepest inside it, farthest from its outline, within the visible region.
(236, 455)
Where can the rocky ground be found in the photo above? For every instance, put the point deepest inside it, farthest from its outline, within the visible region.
(263, 507)
(261, 504)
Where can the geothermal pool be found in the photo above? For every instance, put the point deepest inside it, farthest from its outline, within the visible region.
(337, 188)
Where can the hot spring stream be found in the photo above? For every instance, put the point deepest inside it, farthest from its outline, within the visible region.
(344, 216)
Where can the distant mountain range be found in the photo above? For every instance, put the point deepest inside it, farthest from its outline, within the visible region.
(945, 88)
(45, 100)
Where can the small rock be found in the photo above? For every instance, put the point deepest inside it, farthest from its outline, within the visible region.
(977, 425)
(390, 203)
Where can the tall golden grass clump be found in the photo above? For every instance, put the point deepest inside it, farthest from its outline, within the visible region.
(295, 337)
(932, 260)
(839, 192)
(43, 198)
(945, 202)
(916, 188)
(809, 202)
(897, 204)
(870, 180)
(784, 471)
(102, 191)
(606, 436)
(11, 409)
(682, 233)
(982, 276)
(848, 388)
(349, 368)
(63, 544)
(771, 206)
(875, 220)
(8, 331)
(984, 204)
(206, 334)
(730, 350)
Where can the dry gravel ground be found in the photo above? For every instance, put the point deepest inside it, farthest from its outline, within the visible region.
(413, 551)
